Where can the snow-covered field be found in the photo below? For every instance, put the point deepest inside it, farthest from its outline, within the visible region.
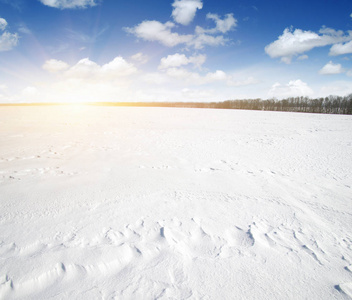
(160, 203)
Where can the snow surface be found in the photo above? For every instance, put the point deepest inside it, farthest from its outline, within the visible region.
(160, 203)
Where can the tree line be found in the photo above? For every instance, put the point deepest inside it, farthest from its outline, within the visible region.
(326, 105)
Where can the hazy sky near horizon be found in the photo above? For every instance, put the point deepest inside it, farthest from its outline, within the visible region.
(173, 50)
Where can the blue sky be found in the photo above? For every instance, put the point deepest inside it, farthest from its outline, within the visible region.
(177, 50)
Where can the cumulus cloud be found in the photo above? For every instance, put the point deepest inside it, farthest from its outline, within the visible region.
(3, 24)
(219, 76)
(163, 32)
(194, 77)
(159, 32)
(177, 60)
(84, 69)
(221, 25)
(85, 81)
(331, 68)
(185, 10)
(7, 40)
(202, 40)
(156, 31)
(140, 58)
(54, 65)
(174, 67)
(87, 69)
(292, 43)
(340, 49)
(293, 89)
(198, 60)
(62, 4)
(118, 67)
(205, 37)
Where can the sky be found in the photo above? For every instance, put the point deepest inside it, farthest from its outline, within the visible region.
(173, 50)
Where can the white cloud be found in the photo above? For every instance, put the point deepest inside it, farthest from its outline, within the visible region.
(292, 43)
(118, 67)
(331, 68)
(84, 69)
(86, 81)
(302, 57)
(87, 69)
(204, 37)
(221, 25)
(194, 78)
(162, 33)
(62, 4)
(218, 75)
(3, 24)
(156, 31)
(294, 88)
(185, 10)
(177, 60)
(8, 41)
(202, 40)
(54, 65)
(198, 60)
(340, 49)
(140, 58)
(173, 67)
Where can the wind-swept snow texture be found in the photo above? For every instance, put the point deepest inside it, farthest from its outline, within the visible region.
(160, 203)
